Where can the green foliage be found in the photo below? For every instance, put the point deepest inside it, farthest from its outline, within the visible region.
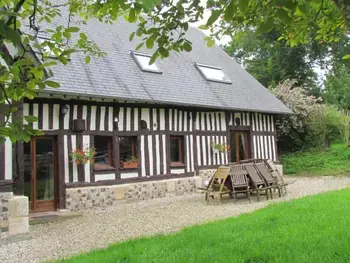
(313, 124)
(297, 21)
(327, 124)
(271, 61)
(337, 87)
(327, 161)
(21, 74)
(311, 229)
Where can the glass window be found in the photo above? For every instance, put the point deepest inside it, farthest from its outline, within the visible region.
(104, 156)
(176, 149)
(127, 148)
(143, 61)
(213, 73)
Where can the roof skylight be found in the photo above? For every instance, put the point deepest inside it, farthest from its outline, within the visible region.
(213, 73)
(142, 61)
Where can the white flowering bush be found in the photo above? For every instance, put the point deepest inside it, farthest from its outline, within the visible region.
(313, 124)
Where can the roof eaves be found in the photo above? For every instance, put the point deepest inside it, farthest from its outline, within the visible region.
(288, 112)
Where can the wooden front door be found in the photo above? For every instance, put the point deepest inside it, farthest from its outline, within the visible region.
(40, 180)
(240, 146)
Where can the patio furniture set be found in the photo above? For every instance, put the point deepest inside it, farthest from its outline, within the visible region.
(248, 177)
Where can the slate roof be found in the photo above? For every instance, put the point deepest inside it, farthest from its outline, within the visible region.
(118, 76)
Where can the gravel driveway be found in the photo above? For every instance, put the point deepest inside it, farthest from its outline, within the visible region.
(100, 227)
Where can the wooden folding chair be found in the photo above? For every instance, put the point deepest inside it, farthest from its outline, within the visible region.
(275, 172)
(270, 180)
(240, 181)
(216, 186)
(258, 183)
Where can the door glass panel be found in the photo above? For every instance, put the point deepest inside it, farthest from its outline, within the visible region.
(233, 148)
(44, 169)
(27, 170)
(239, 146)
(242, 146)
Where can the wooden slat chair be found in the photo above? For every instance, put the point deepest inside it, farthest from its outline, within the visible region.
(270, 180)
(258, 183)
(216, 186)
(251, 161)
(240, 182)
(280, 181)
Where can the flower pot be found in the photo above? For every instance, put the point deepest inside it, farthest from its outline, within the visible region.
(129, 165)
(216, 150)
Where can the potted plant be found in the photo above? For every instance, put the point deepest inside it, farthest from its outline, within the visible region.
(131, 163)
(220, 147)
(82, 156)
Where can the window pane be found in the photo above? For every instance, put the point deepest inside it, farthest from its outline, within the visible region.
(176, 149)
(143, 61)
(44, 169)
(214, 74)
(127, 147)
(102, 145)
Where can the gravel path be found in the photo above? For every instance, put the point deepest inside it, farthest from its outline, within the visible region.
(100, 227)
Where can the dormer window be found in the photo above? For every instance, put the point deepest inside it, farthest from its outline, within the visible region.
(143, 60)
(213, 73)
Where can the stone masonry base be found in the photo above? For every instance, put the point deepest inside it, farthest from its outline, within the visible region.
(4, 197)
(99, 196)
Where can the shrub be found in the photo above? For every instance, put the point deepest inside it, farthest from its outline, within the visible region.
(327, 125)
(313, 124)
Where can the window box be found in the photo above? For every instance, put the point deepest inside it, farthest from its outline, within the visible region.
(129, 165)
(128, 152)
(177, 165)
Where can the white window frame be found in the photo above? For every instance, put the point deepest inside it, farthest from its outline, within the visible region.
(135, 54)
(198, 66)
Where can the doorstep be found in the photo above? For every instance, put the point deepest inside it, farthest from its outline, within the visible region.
(52, 216)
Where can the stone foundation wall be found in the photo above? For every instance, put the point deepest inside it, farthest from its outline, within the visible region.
(4, 197)
(206, 173)
(89, 197)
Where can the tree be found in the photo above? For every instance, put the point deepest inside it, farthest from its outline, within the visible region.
(337, 86)
(271, 61)
(166, 23)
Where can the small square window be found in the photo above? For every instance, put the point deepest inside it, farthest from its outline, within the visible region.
(128, 148)
(176, 150)
(143, 60)
(104, 153)
(213, 73)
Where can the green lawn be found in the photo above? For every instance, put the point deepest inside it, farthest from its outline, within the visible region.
(312, 229)
(332, 161)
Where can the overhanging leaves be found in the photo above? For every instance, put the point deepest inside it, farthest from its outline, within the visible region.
(214, 16)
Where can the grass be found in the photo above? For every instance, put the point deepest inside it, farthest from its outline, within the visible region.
(332, 161)
(311, 229)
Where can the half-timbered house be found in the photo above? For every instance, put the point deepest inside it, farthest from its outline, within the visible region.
(167, 115)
